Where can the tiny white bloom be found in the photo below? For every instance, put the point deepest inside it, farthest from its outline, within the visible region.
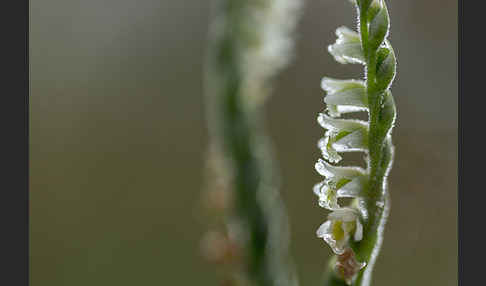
(341, 225)
(328, 198)
(340, 182)
(347, 48)
(325, 144)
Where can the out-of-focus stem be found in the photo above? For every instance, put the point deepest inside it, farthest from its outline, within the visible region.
(236, 128)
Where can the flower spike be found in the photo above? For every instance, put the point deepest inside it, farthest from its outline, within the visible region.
(363, 220)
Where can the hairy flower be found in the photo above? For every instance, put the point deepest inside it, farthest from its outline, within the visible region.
(340, 182)
(368, 187)
(341, 225)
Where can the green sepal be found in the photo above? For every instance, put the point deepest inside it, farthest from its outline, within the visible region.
(374, 8)
(387, 115)
(378, 27)
(385, 66)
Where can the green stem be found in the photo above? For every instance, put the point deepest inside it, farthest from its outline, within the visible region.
(375, 198)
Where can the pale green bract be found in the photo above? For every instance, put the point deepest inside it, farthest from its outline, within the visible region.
(355, 232)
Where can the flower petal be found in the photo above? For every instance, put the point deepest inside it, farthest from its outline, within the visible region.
(354, 141)
(327, 150)
(347, 48)
(317, 188)
(328, 198)
(338, 125)
(329, 171)
(355, 96)
(353, 188)
(324, 229)
(331, 85)
(344, 214)
(358, 233)
(325, 232)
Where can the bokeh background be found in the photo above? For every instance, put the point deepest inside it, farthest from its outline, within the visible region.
(118, 141)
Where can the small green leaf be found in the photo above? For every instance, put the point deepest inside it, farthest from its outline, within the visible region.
(385, 67)
(374, 8)
(379, 26)
(388, 112)
(387, 115)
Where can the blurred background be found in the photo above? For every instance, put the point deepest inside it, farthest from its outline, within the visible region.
(118, 141)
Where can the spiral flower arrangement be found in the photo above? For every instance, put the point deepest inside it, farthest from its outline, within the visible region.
(355, 232)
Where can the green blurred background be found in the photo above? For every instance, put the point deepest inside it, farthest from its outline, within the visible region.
(118, 140)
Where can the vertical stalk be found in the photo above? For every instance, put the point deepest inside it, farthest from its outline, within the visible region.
(372, 200)
(380, 158)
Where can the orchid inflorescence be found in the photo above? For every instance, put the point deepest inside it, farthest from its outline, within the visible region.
(355, 232)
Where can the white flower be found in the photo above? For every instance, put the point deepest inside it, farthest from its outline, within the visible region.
(340, 182)
(341, 225)
(328, 198)
(328, 151)
(342, 135)
(344, 96)
(347, 48)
